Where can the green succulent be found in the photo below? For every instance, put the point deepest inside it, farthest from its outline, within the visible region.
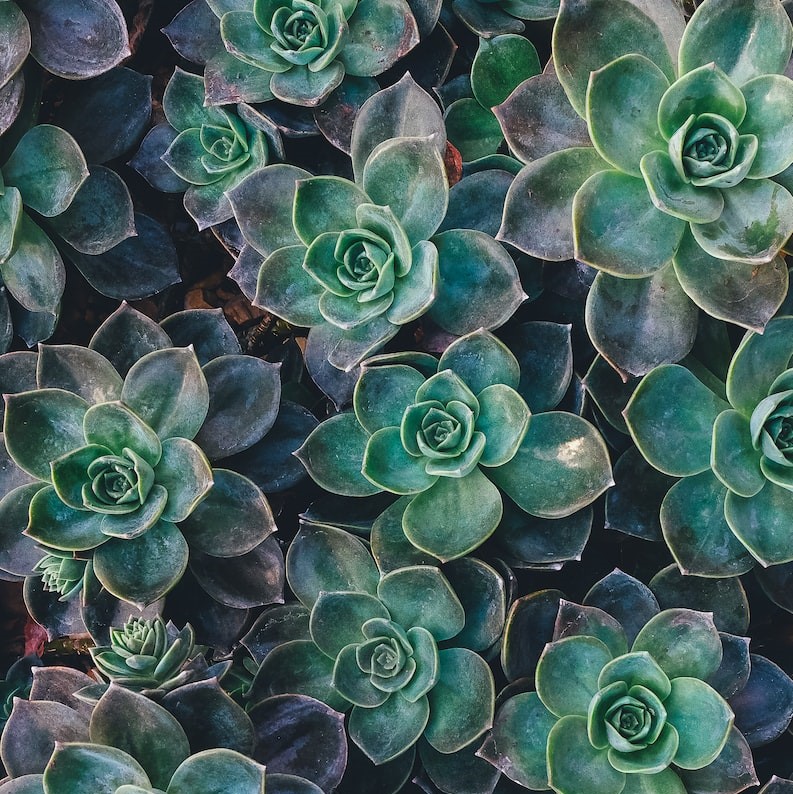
(299, 51)
(61, 572)
(148, 655)
(378, 652)
(207, 150)
(449, 436)
(678, 194)
(606, 718)
(355, 261)
(116, 474)
(731, 444)
(16, 684)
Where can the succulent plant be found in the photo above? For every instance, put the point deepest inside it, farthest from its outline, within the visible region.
(61, 573)
(16, 684)
(299, 51)
(450, 436)
(112, 468)
(675, 190)
(731, 445)
(207, 150)
(385, 647)
(357, 260)
(148, 655)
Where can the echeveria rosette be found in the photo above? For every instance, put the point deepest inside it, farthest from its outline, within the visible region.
(355, 261)
(299, 51)
(734, 503)
(607, 717)
(148, 654)
(207, 150)
(675, 201)
(449, 437)
(388, 653)
(116, 475)
(61, 572)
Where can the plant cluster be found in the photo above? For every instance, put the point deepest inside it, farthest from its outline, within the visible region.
(345, 345)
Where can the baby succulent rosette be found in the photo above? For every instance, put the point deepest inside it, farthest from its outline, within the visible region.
(201, 151)
(108, 469)
(607, 717)
(398, 650)
(355, 261)
(449, 436)
(299, 51)
(731, 445)
(676, 189)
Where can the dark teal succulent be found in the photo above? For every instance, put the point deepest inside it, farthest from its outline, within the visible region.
(207, 150)
(449, 437)
(299, 51)
(676, 189)
(731, 445)
(489, 18)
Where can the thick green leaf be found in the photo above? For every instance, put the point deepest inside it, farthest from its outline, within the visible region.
(422, 596)
(617, 229)
(461, 703)
(474, 130)
(262, 205)
(500, 65)
(42, 425)
(285, 288)
(114, 426)
(386, 731)
(337, 619)
(574, 765)
(229, 80)
(538, 212)
(34, 273)
(576, 620)
(389, 466)
(183, 102)
(671, 417)
(756, 222)
(145, 568)
(733, 458)
(390, 547)
(519, 740)
(326, 204)
(168, 390)
(757, 363)
(301, 86)
(383, 393)
(56, 524)
(504, 420)
(454, 516)
(10, 216)
(683, 642)
(217, 771)
(333, 455)
(78, 370)
(666, 782)
(769, 101)
(745, 39)
(231, 518)
(479, 285)
(48, 168)
(760, 520)
(628, 320)
(407, 175)
(15, 32)
(330, 560)
(18, 553)
(740, 293)
(697, 532)
(622, 110)
(481, 360)
(637, 668)
(149, 733)
(381, 32)
(567, 674)
(622, 28)
(702, 719)
(574, 467)
(93, 767)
